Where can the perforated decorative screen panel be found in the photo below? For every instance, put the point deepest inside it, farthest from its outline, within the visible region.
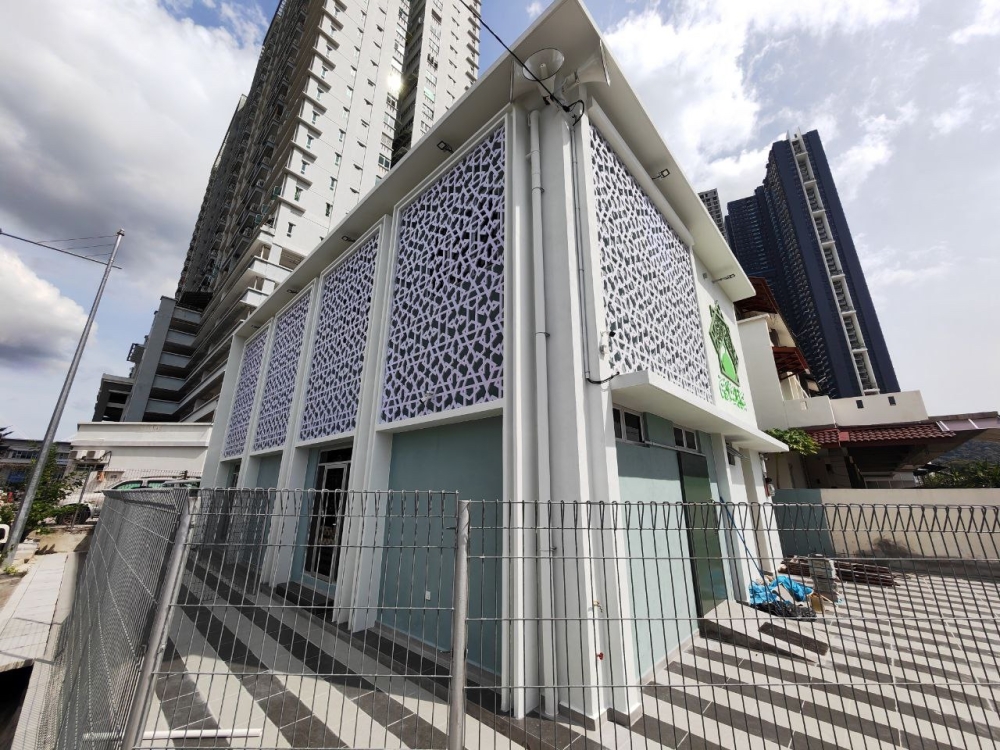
(279, 379)
(649, 292)
(246, 391)
(445, 347)
(338, 351)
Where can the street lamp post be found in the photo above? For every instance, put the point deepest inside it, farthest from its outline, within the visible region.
(50, 433)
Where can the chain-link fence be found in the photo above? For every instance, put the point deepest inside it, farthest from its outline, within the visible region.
(102, 647)
(332, 619)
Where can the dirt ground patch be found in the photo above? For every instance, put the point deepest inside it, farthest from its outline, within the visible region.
(7, 586)
(63, 539)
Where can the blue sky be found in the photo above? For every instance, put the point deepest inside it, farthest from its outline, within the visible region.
(111, 112)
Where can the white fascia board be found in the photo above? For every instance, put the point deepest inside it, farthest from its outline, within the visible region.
(653, 393)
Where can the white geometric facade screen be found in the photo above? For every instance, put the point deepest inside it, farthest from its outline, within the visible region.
(445, 346)
(648, 280)
(246, 391)
(279, 379)
(338, 351)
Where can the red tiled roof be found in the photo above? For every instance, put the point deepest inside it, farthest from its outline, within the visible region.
(914, 432)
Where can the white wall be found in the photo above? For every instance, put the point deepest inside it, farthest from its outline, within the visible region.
(762, 377)
(877, 409)
(162, 448)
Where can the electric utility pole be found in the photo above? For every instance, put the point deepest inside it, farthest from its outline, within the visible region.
(50, 434)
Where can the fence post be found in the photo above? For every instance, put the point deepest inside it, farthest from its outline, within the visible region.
(459, 630)
(161, 619)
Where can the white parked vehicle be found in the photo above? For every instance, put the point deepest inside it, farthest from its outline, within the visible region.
(95, 500)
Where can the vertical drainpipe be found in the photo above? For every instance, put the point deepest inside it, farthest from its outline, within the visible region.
(543, 537)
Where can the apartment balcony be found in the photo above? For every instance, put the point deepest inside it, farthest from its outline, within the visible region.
(159, 407)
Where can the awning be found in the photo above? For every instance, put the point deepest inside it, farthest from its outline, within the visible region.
(653, 393)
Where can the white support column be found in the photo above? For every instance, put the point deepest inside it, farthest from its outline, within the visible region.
(213, 475)
(519, 612)
(612, 602)
(358, 592)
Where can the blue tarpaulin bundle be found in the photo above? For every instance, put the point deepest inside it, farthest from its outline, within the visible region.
(765, 593)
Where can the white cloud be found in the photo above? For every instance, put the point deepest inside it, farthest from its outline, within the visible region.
(957, 115)
(985, 23)
(874, 149)
(690, 68)
(889, 269)
(112, 118)
(39, 327)
(535, 9)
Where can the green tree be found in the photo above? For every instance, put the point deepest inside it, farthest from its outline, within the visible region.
(966, 475)
(798, 441)
(52, 490)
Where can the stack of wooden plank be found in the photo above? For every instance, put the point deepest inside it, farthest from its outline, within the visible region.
(847, 570)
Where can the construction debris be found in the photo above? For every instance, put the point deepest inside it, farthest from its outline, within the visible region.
(872, 575)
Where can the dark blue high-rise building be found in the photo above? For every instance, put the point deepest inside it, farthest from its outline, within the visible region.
(793, 232)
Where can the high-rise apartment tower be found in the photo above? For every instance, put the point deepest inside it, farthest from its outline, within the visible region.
(711, 200)
(793, 232)
(341, 90)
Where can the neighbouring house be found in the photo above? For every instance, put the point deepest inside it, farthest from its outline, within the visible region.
(16, 457)
(113, 452)
(875, 441)
(534, 306)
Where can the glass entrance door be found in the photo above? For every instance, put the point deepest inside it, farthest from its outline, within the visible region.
(326, 525)
(702, 520)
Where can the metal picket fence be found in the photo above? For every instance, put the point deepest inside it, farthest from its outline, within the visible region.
(310, 619)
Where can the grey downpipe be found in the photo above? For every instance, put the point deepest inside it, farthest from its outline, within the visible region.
(543, 537)
(578, 242)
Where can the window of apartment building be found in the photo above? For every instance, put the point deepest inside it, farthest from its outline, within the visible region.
(319, 92)
(354, 72)
(428, 112)
(685, 438)
(428, 94)
(364, 124)
(315, 116)
(379, 28)
(323, 71)
(350, 92)
(329, 50)
(298, 192)
(371, 83)
(424, 127)
(357, 166)
(357, 52)
(336, 159)
(628, 426)
(347, 113)
(387, 142)
(384, 161)
(432, 79)
(362, 143)
(333, 183)
(305, 165)
(340, 135)
(389, 120)
(329, 209)
(391, 103)
(291, 228)
(309, 141)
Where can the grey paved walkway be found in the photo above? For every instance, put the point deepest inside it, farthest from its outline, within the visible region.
(894, 673)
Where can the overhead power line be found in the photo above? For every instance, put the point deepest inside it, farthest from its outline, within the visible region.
(57, 249)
